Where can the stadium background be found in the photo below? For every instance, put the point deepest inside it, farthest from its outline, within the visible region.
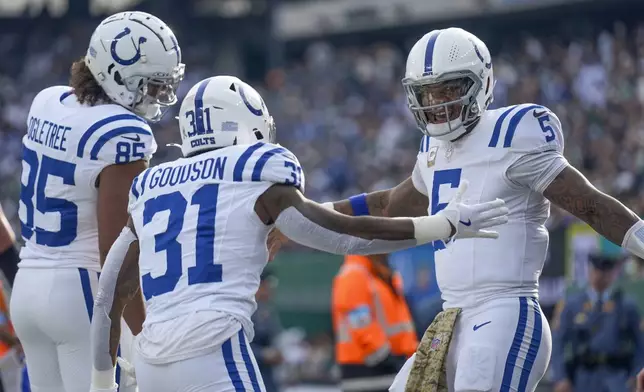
(330, 72)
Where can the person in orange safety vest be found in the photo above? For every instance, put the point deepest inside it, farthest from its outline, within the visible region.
(373, 327)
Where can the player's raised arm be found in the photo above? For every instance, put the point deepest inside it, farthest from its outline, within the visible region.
(571, 191)
(118, 284)
(541, 167)
(316, 226)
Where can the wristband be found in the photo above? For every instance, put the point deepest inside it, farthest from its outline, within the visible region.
(634, 239)
(431, 228)
(359, 204)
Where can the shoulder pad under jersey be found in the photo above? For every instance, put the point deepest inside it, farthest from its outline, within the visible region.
(527, 127)
(119, 138)
(266, 162)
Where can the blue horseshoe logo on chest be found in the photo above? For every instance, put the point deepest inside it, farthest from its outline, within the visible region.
(134, 58)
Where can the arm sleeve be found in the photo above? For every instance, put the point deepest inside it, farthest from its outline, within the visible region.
(559, 336)
(300, 229)
(356, 307)
(103, 372)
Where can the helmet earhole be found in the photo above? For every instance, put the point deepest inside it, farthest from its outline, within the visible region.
(258, 135)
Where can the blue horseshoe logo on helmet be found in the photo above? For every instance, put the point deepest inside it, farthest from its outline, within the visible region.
(257, 112)
(134, 58)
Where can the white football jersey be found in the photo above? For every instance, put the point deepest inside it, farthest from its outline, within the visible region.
(512, 154)
(66, 147)
(202, 246)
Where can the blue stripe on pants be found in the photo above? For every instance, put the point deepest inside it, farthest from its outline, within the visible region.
(511, 360)
(24, 384)
(535, 343)
(89, 304)
(233, 373)
(248, 362)
(87, 292)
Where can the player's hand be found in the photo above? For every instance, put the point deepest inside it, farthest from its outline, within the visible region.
(471, 220)
(274, 242)
(127, 369)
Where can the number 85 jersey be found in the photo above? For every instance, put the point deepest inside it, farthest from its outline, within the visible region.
(66, 147)
(513, 153)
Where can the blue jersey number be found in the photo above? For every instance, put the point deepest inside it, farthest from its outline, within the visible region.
(126, 151)
(451, 177)
(204, 270)
(546, 128)
(39, 173)
(296, 174)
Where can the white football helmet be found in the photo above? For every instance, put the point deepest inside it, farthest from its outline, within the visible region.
(136, 59)
(448, 82)
(223, 111)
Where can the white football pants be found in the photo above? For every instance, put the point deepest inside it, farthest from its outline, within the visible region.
(231, 367)
(503, 345)
(51, 310)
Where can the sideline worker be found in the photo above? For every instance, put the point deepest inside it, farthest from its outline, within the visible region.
(373, 327)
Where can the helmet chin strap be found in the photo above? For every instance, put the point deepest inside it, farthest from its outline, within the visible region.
(468, 129)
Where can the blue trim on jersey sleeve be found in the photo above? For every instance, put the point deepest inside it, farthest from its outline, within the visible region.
(111, 135)
(514, 122)
(199, 123)
(65, 95)
(96, 126)
(261, 162)
(134, 191)
(497, 127)
(241, 162)
(145, 177)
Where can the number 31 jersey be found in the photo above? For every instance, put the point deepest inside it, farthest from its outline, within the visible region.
(512, 154)
(66, 147)
(202, 246)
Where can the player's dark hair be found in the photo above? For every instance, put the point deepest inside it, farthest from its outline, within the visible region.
(86, 88)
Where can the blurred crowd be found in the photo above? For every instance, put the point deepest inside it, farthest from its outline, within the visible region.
(343, 112)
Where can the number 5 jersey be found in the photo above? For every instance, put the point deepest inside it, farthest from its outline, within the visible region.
(513, 154)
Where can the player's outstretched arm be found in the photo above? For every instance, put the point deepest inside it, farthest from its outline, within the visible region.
(316, 226)
(400, 201)
(571, 191)
(403, 200)
(118, 284)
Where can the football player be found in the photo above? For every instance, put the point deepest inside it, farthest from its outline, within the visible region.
(197, 234)
(84, 145)
(501, 341)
